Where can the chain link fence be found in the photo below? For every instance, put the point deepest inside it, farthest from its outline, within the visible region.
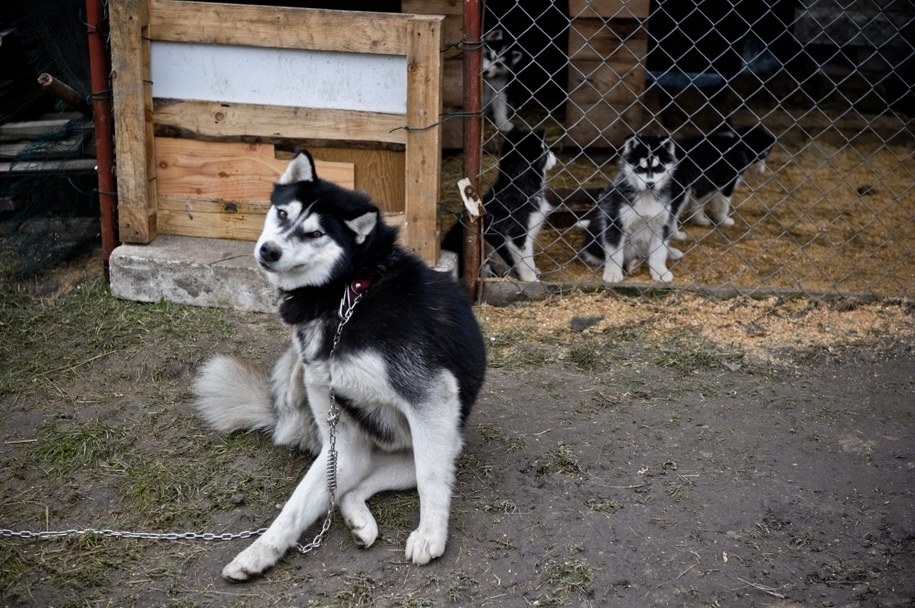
(830, 80)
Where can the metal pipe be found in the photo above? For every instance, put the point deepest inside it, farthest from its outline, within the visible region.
(100, 65)
(65, 93)
(473, 68)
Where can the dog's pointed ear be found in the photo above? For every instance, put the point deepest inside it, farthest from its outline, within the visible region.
(301, 169)
(493, 36)
(671, 148)
(363, 225)
(629, 144)
(516, 58)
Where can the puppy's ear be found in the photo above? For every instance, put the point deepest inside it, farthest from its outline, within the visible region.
(671, 148)
(363, 225)
(493, 36)
(301, 169)
(629, 144)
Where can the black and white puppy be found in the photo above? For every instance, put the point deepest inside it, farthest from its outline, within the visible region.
(499, 63)
(711, 166)
(634, 218)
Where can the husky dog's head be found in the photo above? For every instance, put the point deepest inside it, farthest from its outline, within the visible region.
(647, 161)
(523, 150)
(498, 59)
(312, 228)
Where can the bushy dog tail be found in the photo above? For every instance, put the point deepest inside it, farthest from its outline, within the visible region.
(234, 395)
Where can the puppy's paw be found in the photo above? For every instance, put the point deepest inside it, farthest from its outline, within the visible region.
(424, 545)
(614, 275)
(728, 221)
(663, 277)
(251, 563)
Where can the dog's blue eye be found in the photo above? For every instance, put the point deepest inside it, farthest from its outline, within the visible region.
(316, 234)
(281, 213)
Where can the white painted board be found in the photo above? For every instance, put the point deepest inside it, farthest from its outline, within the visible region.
(279, 77)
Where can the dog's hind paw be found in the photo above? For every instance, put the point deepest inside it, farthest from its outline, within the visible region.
(360, 522)
(425, 545)
(250, 563)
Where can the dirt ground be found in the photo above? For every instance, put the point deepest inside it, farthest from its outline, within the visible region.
(672, 451)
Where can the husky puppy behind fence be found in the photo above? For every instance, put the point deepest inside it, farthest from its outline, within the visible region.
(516, 206)
(711, 166)
(376, 334)
(499, 63)
(634, 218)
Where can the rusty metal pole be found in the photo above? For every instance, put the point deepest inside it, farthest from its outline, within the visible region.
(473, 68)
(100, 65)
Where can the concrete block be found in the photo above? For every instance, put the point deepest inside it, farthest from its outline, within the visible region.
(186, 270)
(201, 272)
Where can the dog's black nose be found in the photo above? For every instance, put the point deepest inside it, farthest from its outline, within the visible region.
(270, 252)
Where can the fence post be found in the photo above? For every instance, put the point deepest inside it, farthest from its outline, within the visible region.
(473, 68)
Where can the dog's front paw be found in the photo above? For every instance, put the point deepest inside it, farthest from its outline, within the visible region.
(251, 563)
(728, 221)
(425, 545)
(613, 274)
(663, 277)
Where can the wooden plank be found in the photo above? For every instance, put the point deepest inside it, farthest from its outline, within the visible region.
(278, 27)
(378, 173)
(453, 83)
(423, 154)
(601, 124)
(215, 119)
(452, 10)
(133, 121)
(618, 9)
(15, 131)
(593, 39)
(220, 219)
(185, 216)
(591, 81)
(228, 171)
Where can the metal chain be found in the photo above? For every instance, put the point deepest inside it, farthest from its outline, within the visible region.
(347, 305)
(128, 534)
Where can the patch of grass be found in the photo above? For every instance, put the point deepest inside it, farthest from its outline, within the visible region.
(603, 505)
(396, 510)
(360, 591)
(572, 576)
(689, 353)
(12, 563)
(44, 336)
(462, 584)
(65, 445)
(493, 435)
(517, 348)
(559, 459)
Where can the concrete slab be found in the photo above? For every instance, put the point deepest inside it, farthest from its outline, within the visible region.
(186, 270)
(201, 272)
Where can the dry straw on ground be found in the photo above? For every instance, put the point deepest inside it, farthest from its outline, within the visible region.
(759, 328)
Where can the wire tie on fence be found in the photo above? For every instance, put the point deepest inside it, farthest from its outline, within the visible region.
(445, 118)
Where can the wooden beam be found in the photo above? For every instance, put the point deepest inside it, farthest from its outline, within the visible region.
(133, 120)
(424, 141)
(215, 119)
(278, 27)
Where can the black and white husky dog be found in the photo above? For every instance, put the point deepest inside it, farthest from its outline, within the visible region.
(634, 218)
(516, 207)
(393, 342)
(499, 63)
(711, 166)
